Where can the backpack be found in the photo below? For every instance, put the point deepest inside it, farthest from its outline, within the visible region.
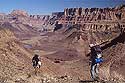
(98, 49)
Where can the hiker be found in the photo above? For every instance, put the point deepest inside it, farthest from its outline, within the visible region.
(95, 60)
(36, 61)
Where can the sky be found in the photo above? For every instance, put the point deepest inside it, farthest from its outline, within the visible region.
(45, 7)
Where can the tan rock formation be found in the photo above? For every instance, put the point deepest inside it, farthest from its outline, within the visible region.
(19, 13)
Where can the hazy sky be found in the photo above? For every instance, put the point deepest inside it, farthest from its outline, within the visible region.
(48, 6)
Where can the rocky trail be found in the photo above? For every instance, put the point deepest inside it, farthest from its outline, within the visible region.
(62, 41)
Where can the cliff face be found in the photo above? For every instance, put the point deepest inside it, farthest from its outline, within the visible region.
(40, 23)
(95, 14)
(24, 25)
(19, 13)
(95, 20)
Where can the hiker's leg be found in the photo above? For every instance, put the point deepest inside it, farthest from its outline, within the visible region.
(39, 66)
(93, 71)
(96, 69)
(96, 73)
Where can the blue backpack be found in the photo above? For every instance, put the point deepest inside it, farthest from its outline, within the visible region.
(98, 60)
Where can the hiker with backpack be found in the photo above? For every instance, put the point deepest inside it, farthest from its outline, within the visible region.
(36, 61)
(95, 60)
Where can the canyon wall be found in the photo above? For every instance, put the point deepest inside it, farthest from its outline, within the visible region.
(95, 20)
(92, 21)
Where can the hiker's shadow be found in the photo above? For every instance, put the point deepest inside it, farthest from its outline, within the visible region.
(85, 81)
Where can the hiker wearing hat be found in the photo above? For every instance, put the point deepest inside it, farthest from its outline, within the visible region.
(95, 60)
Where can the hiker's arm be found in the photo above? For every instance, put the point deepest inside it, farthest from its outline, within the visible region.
(90, 61)
(90, 58)
(33, 60)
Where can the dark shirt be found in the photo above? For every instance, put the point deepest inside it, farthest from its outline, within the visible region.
(94, 51)
(35, 59)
